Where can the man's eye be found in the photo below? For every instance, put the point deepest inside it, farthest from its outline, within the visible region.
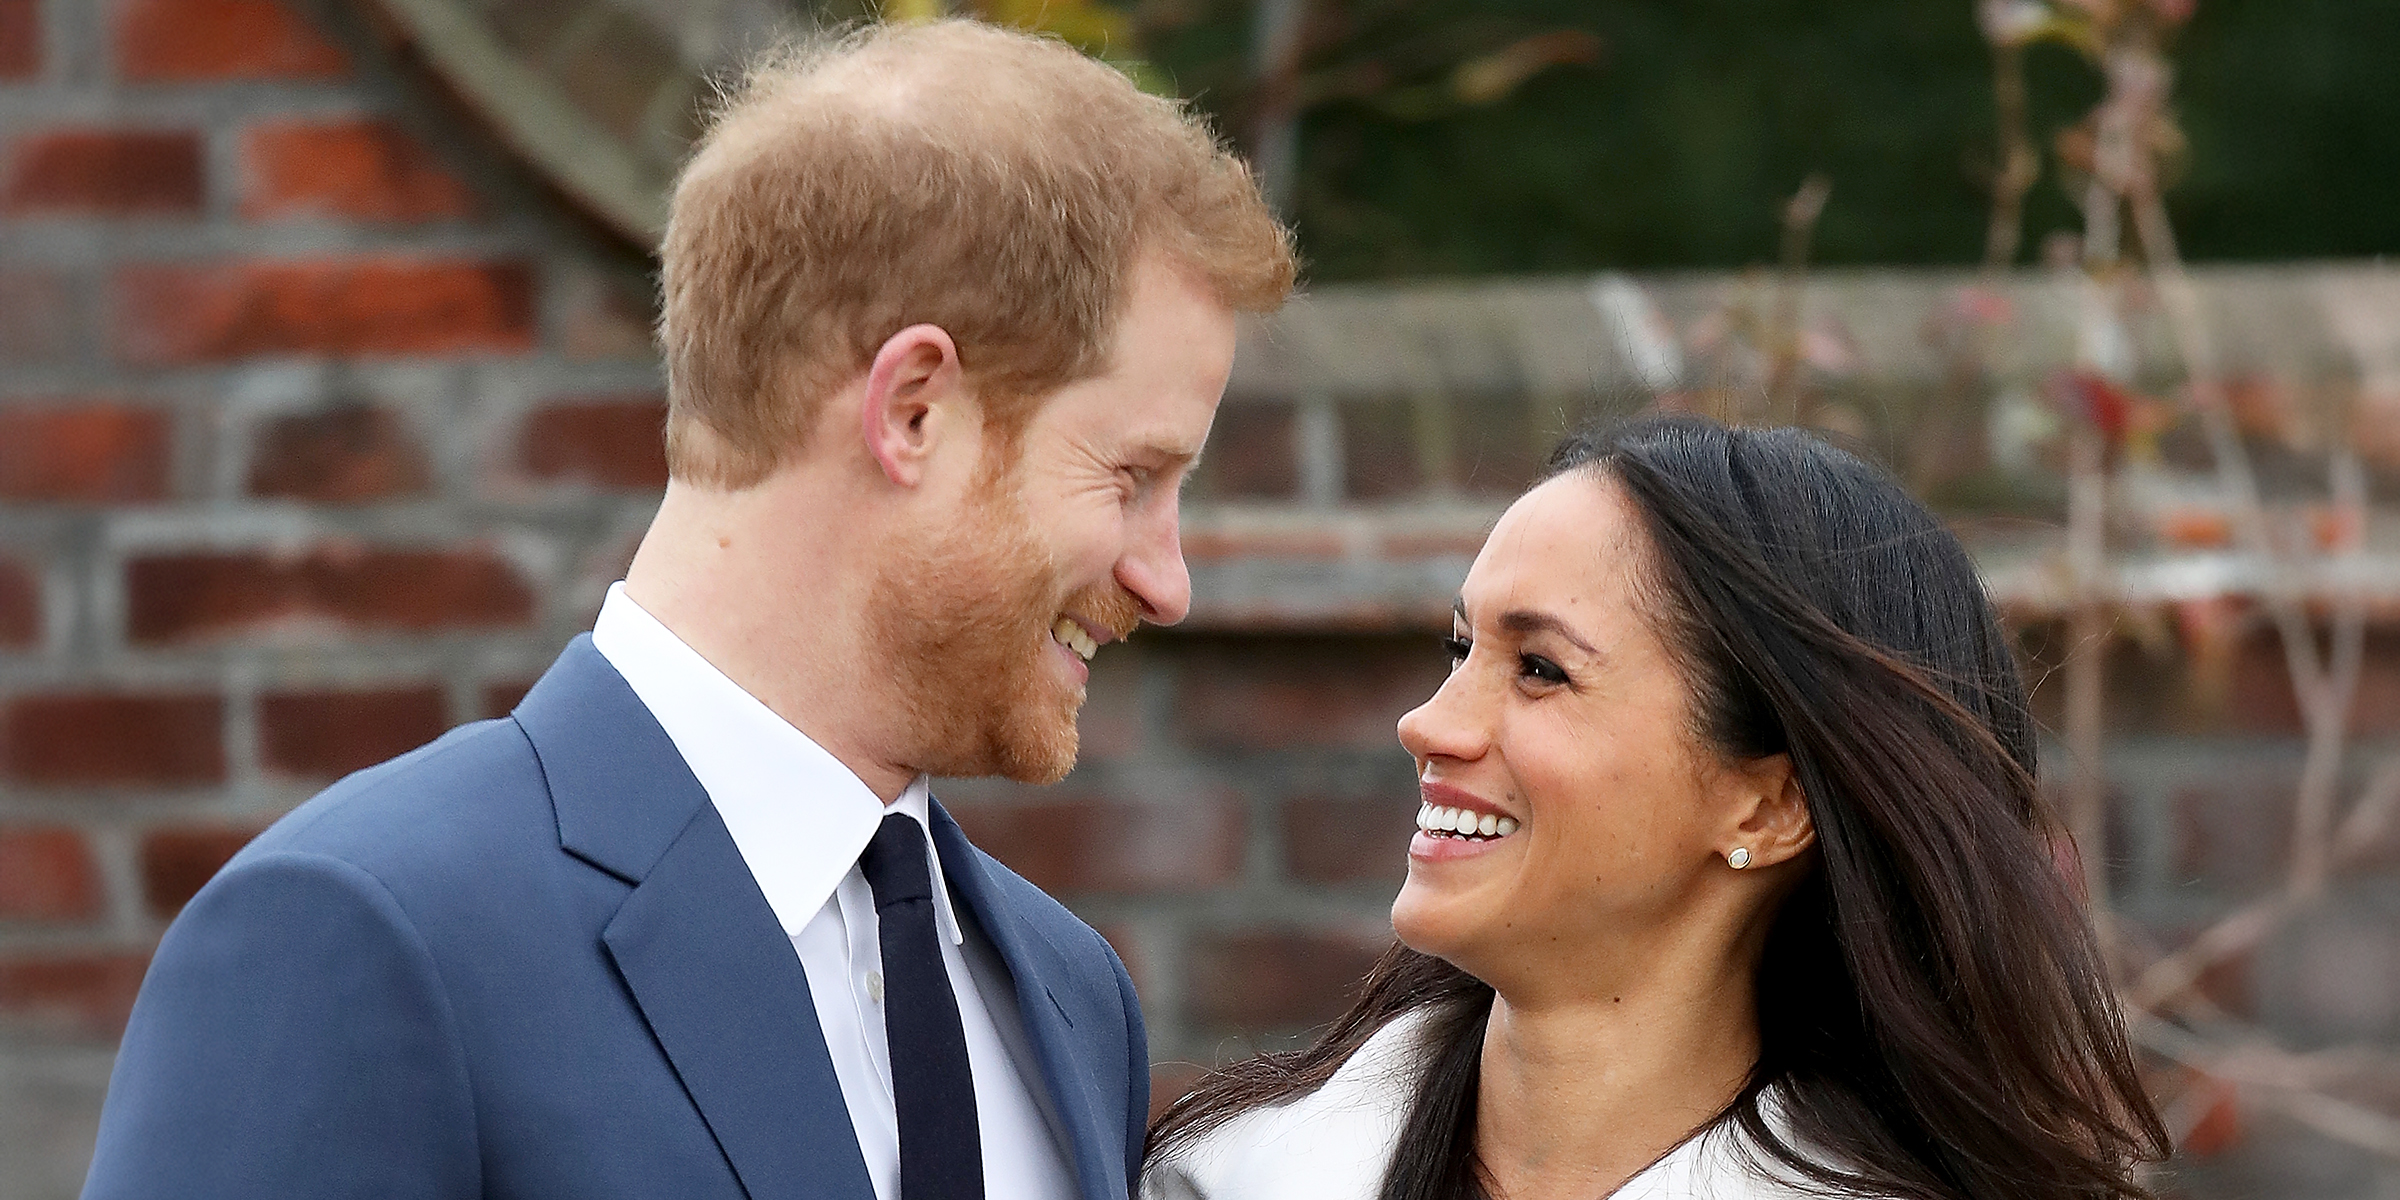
(1537, 667)
(1456, 647)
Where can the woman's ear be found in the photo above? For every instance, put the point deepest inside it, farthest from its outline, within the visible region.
(1771, 818)
(912, 385)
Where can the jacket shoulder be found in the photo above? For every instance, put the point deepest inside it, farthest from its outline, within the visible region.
(476, 791)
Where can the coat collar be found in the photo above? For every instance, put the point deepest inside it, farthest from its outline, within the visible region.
(621, 793)
(713, 973)
(1093, 1116)
(695, 942)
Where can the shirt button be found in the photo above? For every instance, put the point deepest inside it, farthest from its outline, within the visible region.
(875, 986)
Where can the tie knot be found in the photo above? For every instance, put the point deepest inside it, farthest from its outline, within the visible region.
(895, 863)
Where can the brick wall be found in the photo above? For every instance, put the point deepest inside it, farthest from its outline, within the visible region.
(321, 430)
(313, 443)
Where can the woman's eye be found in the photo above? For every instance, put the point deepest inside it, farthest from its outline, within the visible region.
(1457, 648)
(1537, 667)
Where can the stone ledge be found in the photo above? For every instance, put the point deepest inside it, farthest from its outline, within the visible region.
(1375, 570)
(1609, 333)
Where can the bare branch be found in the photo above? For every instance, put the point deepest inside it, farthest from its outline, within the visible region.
(2256, 1070)
(2240, 931)
(2371, 818)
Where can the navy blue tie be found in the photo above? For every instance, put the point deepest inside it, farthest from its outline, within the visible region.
(941, 1146)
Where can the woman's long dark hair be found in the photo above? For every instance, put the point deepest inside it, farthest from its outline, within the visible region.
(1932, 1004)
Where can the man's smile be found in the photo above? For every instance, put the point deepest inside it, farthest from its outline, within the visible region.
(1071, 634)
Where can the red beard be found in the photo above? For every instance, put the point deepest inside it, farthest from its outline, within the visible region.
(962, 619)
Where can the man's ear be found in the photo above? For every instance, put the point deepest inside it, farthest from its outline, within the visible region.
(1771, 820)
(912, 401)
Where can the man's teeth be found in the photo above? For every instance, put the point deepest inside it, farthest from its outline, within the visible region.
(1438, 819)
(1072, 636)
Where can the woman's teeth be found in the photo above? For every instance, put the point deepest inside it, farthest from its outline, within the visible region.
(1072, 636)
(1441, 821)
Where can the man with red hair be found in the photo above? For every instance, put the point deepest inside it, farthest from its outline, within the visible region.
(948, 312)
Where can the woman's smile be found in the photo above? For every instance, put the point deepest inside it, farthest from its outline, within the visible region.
(1453, 824)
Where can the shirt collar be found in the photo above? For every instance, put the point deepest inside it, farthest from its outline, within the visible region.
(799, 817)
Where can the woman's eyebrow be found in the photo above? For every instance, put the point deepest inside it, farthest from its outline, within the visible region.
(1524, 621)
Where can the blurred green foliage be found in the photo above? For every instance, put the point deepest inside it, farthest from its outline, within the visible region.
(1678, 144)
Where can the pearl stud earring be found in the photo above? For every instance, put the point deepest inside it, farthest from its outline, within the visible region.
(1739, 858)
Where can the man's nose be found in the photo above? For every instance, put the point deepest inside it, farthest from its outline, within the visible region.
(1153, 570)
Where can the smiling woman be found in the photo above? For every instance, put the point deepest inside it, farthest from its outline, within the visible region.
(1732, 878)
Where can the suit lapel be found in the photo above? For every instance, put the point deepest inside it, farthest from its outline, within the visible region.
(1094, 1121)
(727, 999)
(695, 941)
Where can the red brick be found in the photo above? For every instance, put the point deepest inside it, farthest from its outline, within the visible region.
(2258, 696)
(1284, 693)
(326, 734)
(38, 312)
(93, 453)
(84, 993)
(1127, 944)
(177, 597)
(356, 170)
(104, 172)
(1093, 845)
(340, 456)
(224, 311)
(613, 442)
(1253, 453)
(20, 39)
(1349, 840)
(181, 41)
(100, 738)
(1433, 544)
(177, 863)
(20, 606)
(1218, 545)
(500, 699)
(1266, 980)
(47, 874)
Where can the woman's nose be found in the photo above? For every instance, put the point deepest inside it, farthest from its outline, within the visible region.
(1448, 725)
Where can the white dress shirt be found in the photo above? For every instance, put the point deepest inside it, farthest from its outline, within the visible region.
(801, 819)
(1336, 1142)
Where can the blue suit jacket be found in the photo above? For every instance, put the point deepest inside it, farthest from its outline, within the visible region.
(527, 961)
